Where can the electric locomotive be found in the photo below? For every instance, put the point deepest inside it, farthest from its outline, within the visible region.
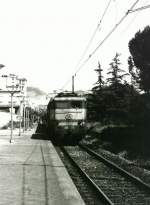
(66, 115)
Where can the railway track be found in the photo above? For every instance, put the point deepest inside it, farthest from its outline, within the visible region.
(112, 184)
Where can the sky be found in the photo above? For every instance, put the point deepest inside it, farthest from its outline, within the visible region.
(44, 40)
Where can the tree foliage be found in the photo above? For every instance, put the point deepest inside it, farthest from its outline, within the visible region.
(100, 81)
(139, 47)
(109, 102)
(116, 73)
(95, 107)
(118, 101)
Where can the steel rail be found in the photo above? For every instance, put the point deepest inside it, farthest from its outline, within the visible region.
(102, 195)
(123, 172)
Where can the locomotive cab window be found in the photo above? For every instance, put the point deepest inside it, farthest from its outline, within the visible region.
(69, 104)
(61, 105)
(76, 104)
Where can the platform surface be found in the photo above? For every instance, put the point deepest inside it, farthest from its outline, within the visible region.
(32, 173)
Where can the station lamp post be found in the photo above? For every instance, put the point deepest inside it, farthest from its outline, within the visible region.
(22, 98)
(20, 113)
(25, 113)
(12, 89)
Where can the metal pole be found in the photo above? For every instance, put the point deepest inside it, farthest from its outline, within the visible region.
(26, 111)
(24, 118)
(32, 120)
(11, 117)
(28, 120)
(20, 119)
(73, 84)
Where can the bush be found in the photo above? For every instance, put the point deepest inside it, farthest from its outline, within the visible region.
(136, 139)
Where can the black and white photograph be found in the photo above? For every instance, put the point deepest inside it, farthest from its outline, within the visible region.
(74, 102)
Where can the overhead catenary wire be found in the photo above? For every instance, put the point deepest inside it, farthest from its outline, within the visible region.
(112, 30)
(133, 19)
(94, 33)
(139, 9)
(107, 36)
(91, 40)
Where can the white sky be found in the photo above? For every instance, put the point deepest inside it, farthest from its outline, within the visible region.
(43, 40)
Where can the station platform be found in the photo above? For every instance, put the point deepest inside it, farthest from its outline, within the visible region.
(31, 173)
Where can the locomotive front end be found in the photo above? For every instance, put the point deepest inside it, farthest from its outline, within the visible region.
(69, 116)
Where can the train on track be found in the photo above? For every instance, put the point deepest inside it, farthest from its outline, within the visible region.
(66, 118)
